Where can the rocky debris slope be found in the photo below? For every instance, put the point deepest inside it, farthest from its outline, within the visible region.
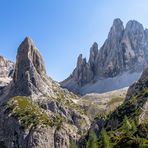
(127, 126)
(35, 112)
(97, 104)
(6, 71)
(124, 52)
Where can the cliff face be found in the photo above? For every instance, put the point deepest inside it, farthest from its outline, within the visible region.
(6, 71)
(30, 76)
(35, 112)
(124, 51)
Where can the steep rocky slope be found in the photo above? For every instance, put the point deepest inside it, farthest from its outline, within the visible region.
(97, 104)
(34, 111)
(117, 64)
(127, 126)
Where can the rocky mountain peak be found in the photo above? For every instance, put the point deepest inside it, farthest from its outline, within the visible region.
(29, 53)
(117, 22)
(82, 73)
(80, 60)
(93, 57)
(27, 42)
(134, 29)
(116, 30)
(134, 25)
(93, 52)
(30, 74)
(124, 51)
(52, 119)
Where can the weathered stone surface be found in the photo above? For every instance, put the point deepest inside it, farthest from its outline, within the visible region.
(30, 75)
(82, 74)
(6, 71)
(124, 51)
(13, 135)
(30, 80)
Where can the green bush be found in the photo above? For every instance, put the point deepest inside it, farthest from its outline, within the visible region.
(105, 140)
(27, 112)
(92, 140)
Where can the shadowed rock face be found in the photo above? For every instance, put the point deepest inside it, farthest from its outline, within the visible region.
(125, 50)
(28, 57)
(82, 74)
(30, 74)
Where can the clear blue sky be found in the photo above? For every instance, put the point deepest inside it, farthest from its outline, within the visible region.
(62, 29)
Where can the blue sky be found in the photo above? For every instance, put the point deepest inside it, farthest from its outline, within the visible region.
(62, 29)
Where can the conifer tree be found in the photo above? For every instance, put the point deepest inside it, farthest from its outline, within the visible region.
(92, 141)
(105, 140)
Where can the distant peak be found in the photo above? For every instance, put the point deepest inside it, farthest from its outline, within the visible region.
(93, 50)
(133, 24)
(117, 21)
(28, 39)
(80, 58)
(27, 42)
(116, 31)
(95, 45)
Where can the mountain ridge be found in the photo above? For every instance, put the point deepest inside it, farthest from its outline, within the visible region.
(124, 50)
(35, 111)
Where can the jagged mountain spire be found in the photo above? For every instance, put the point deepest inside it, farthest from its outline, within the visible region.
(93, 57)
(124, 51)
(116, 30)
(28, 56)
(30, 75)
(48, 101)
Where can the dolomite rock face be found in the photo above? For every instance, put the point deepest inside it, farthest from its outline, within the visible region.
(30, 75)
(30, 82)
(6, 71)
(124, 51)
(82, 73)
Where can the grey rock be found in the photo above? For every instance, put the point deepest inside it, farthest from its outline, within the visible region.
(93, 58)
(30, 75)
(30, 80)
(6, 71)
(124, 51)
(82, 74)
(13, 135)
